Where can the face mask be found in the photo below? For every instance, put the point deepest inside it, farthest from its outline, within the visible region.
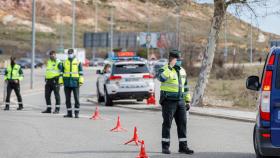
(52, 57)
(179, 63)
(71, 56)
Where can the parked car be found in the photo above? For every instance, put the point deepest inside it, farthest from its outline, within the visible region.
(24, 63)
(96, 62)
(158, 65)
(86, 63)
(267, 129)
(39, 62)
(127, 80)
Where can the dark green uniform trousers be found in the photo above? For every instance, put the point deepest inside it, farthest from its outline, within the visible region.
(52, 86)
(12, 85)
(177, 110)
(68, 91)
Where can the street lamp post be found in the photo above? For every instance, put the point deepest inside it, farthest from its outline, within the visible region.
(95, 28)
(251, 42)
(73, 22)
(149, 30)
(178, 26)
(61, 28)
(33, 43)
(96, 20)
(111, 29)
(226, 48)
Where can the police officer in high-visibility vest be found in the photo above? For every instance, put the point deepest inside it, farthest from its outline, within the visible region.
(72, 78)
(13, 76)
(52, 85)
(175, 100)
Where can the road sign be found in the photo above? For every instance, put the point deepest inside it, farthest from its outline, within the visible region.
(103, 39)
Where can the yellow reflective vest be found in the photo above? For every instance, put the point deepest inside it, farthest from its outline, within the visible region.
(173, 84)
(72, 73)
(13, 73)
(53, 69)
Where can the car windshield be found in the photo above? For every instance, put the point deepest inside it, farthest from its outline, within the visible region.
(130, 69)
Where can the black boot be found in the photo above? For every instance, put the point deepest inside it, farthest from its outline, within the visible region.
(69, 115)
(166, 151)
(76, 114)
(20, 107)
(7, 107)
(183, 148)
(47, 111)
(56, 111)
(165, 148)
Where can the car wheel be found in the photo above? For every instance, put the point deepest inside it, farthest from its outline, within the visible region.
(107, 99)
(258, 154)
(99, 98)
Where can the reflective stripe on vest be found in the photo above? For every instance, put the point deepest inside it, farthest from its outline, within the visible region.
(13, 73)
(52, 69)
(71, 69)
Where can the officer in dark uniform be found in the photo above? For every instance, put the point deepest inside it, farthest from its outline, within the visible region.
(13, 76)
(175, 100)
(72, 79)
(52, 76)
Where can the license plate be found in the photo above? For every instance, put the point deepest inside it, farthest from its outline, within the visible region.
(132, 86)
(131, 79)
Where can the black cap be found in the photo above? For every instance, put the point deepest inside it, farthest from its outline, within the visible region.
(52, 52)
(175, 54)
(13, 58)
(70, 51)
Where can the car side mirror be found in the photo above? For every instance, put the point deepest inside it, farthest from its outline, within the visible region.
(98, 72)
(253, 83)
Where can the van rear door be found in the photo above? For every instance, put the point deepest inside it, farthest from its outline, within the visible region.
(275, 103)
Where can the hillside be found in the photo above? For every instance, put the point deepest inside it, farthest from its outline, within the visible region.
(130, 15)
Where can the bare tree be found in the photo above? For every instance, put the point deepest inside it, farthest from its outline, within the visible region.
(220, 10)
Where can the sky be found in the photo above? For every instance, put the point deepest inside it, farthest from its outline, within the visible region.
(267, 23)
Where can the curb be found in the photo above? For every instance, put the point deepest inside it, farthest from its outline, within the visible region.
(158, 108)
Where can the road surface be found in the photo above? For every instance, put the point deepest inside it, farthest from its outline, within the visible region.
(29, 133)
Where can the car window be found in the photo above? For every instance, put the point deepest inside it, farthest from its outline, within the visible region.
(130, 69)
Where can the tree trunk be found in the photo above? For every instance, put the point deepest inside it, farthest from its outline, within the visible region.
(207, 62)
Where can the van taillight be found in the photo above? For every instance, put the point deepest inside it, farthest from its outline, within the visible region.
(115, 78)
(267, 80)
(265, 96)
(271, 59)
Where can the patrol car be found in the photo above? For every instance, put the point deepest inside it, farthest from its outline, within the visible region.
(267, 129)
(129, 79)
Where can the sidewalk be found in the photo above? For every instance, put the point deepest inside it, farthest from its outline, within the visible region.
(245, 116)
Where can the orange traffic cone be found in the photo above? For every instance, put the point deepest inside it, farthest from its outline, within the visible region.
(151, 99)
(118, 127)
(96, 115)
(142, 153)
(135, 138)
